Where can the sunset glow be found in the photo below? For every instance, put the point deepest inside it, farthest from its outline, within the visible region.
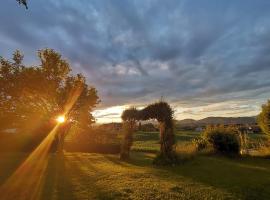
(110, 114)
(61, 119)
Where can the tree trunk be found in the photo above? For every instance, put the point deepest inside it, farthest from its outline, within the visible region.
(129, 127)
(166, 139)
(162, 137)
(61, 137)
(60, 143)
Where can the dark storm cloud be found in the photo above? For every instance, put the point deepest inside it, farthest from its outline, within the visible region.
(191, 52)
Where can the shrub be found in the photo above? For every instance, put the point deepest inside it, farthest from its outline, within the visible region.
(224, 140)
(186, 152)
(264, 118)
(200, 143)
(95, 140)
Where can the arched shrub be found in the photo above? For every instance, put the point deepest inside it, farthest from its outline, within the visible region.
(162, 112)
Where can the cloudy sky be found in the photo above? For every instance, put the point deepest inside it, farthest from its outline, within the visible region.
(206, 58)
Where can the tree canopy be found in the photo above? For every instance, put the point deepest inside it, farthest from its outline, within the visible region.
(264, 118)
(32, 96)
(160, 111)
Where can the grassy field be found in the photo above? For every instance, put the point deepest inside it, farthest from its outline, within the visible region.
(149, 141)
(96, 176)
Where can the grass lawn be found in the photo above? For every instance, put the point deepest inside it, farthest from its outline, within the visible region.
(96, 176)
(149, 141)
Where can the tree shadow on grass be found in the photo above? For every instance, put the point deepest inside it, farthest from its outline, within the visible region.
(87, 176)
(115, 160)
(245, 178)
(141, 159)
(9, 162)
(57, 183)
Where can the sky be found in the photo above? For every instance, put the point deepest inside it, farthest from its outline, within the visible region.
(205, 58)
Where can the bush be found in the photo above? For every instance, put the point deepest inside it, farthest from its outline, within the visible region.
(264, 118)
(200, 143)
(186, 152)
(95, 140)
(224, 140)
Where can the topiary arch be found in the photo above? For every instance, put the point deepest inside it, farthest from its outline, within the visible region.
(162, 112)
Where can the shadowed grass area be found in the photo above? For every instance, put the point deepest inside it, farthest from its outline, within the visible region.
(96, 176)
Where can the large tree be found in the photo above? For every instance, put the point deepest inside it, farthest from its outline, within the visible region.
(32, 96)
(264, 118)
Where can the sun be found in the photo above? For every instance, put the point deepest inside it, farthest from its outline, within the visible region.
(61, 119)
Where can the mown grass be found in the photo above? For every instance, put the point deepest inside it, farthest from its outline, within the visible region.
(96, 176)
(149, 141)
(90, 176)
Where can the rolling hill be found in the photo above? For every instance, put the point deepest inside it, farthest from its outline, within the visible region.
(218, 120)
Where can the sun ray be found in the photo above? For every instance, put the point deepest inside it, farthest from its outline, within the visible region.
(26, 183)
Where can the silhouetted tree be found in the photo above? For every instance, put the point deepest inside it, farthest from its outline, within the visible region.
(264, 118)
(32, 96)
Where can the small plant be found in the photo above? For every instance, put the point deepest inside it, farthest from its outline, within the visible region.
(223, 139)
(200, 143)
(186, 152)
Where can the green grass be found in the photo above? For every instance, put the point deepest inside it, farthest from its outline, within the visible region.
(95, 176)
(149, 141)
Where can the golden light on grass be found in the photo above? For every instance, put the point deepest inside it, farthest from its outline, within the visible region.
(61, 119)
(27, 182)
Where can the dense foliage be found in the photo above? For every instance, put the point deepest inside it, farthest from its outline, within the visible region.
(162, 112)
(31, 97)
(264, 118)
(223, 139)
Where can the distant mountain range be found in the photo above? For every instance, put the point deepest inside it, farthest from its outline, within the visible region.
(218, 120)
